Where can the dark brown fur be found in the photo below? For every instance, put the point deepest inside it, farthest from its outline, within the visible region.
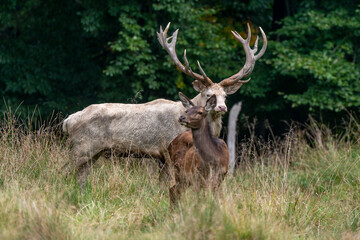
(148, 128)
(198, 158)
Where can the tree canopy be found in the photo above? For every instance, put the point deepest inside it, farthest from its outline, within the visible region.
(66, 55)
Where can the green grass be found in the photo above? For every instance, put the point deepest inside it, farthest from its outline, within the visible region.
(283, 189)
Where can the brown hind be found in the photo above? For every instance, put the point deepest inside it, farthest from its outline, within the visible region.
(199, 158)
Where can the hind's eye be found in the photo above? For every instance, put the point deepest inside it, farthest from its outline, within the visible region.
(208, 95)
(200, 113)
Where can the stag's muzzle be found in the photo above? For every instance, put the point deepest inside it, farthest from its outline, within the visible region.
(220, 110)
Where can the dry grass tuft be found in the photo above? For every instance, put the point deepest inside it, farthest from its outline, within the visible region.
(305, 185)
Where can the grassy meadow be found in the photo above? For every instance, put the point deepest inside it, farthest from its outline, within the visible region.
(305, 185)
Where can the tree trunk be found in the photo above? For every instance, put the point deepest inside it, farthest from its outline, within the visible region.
(231, 138)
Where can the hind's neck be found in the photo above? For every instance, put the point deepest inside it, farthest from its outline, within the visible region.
(205, 143)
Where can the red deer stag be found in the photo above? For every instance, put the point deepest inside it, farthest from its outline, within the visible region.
(198, 158)
(149, 128)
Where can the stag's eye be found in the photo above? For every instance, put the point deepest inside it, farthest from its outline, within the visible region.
(208, 95)
(200, 113)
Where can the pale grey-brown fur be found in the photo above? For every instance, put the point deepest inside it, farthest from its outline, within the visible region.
(149, 128)
(137, 128)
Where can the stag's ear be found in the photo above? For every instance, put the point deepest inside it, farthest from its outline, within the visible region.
(230, 89)
(210, 103)
(187, 103)
(198, 86)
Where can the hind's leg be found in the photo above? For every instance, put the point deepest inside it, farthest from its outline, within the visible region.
(175, 194)
(167, 170)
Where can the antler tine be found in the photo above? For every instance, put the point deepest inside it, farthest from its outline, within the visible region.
(166, 29)
(263, 49)
(161, 35)
(256, 45)
(170, 49)
(187, 66)
(249, 34)
(251, 58)
(244, 81)
(201, 70)
(237, 36)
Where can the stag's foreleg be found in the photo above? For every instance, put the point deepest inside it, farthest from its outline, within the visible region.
(81, 164)
(83, 171)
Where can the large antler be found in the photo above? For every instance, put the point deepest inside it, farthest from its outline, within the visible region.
(170, 48)
(250, 57)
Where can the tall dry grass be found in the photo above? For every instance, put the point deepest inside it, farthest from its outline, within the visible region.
(304, 185)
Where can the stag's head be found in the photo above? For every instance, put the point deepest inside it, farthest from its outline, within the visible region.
(194, 115)
(203, 83)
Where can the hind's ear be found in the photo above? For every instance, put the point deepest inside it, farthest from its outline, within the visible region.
(187, 103)
(210, 103)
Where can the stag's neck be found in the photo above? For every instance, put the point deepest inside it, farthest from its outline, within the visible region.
(197, 100)
(215, 120)
(205, 143)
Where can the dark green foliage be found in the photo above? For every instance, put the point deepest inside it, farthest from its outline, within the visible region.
(317, 53)
(45, 56)
(66, 55)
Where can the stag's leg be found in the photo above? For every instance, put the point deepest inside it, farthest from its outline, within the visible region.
(74, 164)
(82, 173)
(81, 163)
(163, 169)
(84, 170)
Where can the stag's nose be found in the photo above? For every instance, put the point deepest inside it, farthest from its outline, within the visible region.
(181, 118)
(223, 109)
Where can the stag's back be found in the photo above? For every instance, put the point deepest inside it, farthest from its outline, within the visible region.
(144, 128)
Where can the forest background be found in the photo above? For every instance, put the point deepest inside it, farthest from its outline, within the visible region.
(302, 182)
(61, 56)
